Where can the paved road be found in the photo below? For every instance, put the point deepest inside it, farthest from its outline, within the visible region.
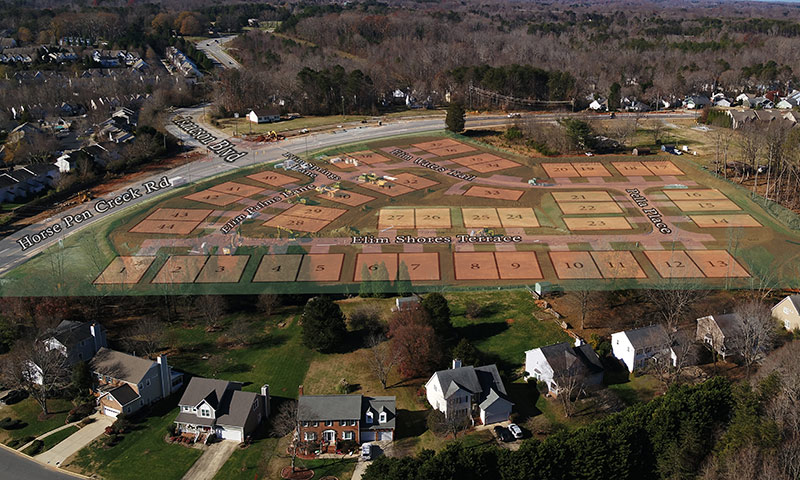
(15, 466)
(11, 254)
(213, 48)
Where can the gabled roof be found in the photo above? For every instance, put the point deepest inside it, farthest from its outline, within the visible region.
(124, 394)
(563, 356)
(208, 389)
(328, 407)
(652, 335)
(795, 300)
(378, 405)
(120, 366)
(728, 323)
(237, 409)
(494, 398)
(69, 332)
(474, 380)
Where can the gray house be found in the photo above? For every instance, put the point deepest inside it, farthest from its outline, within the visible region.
(77, 341)
(719, 333)
(562, 363)
(469, 391)
(222, 408)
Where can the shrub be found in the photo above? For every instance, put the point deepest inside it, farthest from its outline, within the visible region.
(121, 424)
(473, 309)
(513, 133)
(111, 440)
(172, 429)
(11, 424)
(34, 448)
(346, 445)
(86, 421)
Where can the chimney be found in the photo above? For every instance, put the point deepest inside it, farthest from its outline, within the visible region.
(578, 341)
(456, 363)
(265, 394)
(98, 335)
(166, 377)
(300, 391)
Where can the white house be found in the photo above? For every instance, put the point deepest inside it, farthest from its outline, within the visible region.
(599, 105)
(787, 311)
(696, 102)
(263, 116)
(562, 362)
(636, 347)
(469, 392)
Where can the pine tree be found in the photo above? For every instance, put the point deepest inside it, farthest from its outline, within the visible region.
(455, 120)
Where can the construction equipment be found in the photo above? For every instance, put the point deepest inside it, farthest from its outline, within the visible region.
(84, 196)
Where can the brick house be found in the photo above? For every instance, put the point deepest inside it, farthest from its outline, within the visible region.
(328, 419)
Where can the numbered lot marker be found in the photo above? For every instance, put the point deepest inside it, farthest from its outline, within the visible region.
(180, 269)
(673, 264)
(378, 266)
(589, 208)
(475, 266)
(418, 266)
(705, 205)
(434, 144)
(273, 178)
(368, 157)
(300, 224)
(235, 188)
(316, 212)
(390, 189)
(574, 265)
(494, 193)
(347, 197)
(663, 168)
(582, 196)
(697, 194)
(413, 181)
(278, 268)
(124, 270)
(517, 217)
(560, 170)
(182, 214)
(632, 169)
(717, 264)
(165, 227)
(618, 264)
(396, 218)
(518, 265)
(590, 169)
(223, 269)
(320, 267)
(451, 150)
(432, 217)
(213, 198)
(480, 218)
(494, 166)
(724, 221)
(471, 160)
(597, 223)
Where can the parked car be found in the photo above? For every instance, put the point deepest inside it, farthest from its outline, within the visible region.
(503, 434)
(366, 451)
(515, 430)
(513, 115)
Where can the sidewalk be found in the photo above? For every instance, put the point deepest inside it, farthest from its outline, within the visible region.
(47, 434)
(75, 442)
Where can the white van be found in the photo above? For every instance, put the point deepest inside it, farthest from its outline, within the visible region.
(366, 451)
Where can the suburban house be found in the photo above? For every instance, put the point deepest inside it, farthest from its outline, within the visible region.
(222, 408)
(740, 118)
(330, 418)
(468, 392)
(406, 303)
(557, 364)
(127, 383)
(263, 115)
(787, 311)
(77, 341)
(719, 332)
(635, 347)
(696, 102)
(599, 105)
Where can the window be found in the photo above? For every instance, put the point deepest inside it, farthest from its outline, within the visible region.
(382, 417)
(353, 423)
(369, 418)
(305, 424)
(342, 423)
(315, 424)
(328, 423)
(349, 435)
(205, 412)
(255, 405)
(309, 436)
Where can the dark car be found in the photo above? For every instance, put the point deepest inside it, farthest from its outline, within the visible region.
(12, 397)
(503, 434)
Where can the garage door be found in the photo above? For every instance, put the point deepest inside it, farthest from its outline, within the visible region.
(386, 436)
(110, 412)
(226, 434)
(367, 436)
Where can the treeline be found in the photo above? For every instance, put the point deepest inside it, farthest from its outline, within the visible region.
(335, 90)
(669, 437)
(523, 81)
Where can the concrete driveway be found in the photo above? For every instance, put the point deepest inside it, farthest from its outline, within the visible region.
(211, 461)
(75, 442)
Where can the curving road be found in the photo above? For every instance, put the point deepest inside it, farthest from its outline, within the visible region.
(213, 48)
(11, 254)
(15, 466)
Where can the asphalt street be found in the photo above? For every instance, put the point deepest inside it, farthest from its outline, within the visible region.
(14, 466)
(213, 48)
(12, 255)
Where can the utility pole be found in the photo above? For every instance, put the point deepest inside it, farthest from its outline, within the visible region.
(342, 106)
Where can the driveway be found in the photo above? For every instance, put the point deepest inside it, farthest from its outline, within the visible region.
(211, 461)
(75, 442)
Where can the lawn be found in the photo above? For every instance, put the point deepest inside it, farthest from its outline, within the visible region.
(28, 412)
(249, 463)
(54, 439)
(640, 389)
(145, 443)
(274, 356)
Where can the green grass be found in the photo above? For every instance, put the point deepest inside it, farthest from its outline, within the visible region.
(639, 389)
(508, 329)
(144, 446)
(28, 411)
(248, 463)
(341, 468)
(54, 439)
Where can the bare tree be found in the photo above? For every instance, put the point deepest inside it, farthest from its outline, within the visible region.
(656, 128)
(381, 357)
(755, 336)
(442, 425)
(240, 331)
(675, 302)
(677, 353)
(267, 302)
(570, 386)
(146, 336)
(585, 297)
(211, 308)
(286, 421)
(39, 371)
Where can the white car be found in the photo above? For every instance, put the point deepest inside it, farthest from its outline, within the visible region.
(515, 430)
(513, 115)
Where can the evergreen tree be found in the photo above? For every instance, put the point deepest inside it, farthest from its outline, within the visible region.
(455, 120)
(323, 324)
(438, 310)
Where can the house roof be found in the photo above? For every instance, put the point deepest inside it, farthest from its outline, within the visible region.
(40, 168)
(209, 389)
(238, 408)
(378, 405)
(120, 366)
(562, 356)
(124, 394)
(494, 398)
(649, 336)
(728, 323)
(265, 112)
(475, 380)
(69, 332)
(328, 407)
(795, 299)
(187, 417)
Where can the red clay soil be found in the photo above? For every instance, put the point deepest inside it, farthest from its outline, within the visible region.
(286, 472)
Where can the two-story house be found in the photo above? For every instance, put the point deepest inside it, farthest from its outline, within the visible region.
(328, 419)
(787, 311)
(222, 408)
(469, 392)
(564, 366)
(127, 383)
(77, 341)
(720, 333)
(636, 347)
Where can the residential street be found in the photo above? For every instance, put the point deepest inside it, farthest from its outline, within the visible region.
(15, 466)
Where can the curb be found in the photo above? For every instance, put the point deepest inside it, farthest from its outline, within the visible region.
(49, 467)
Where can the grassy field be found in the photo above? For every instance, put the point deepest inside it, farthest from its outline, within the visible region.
(28, 412)
(124, 460)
